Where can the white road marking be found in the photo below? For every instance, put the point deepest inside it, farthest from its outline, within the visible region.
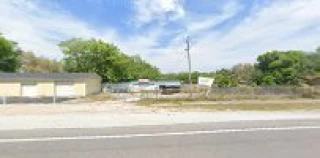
(126, 136)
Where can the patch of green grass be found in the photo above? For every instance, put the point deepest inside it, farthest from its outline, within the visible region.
(235, 106)
(256, 107)
(173, 101)
(98, 97)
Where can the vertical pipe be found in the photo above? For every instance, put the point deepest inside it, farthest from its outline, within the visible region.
(189, 63)
(4, 100)
(54, 93)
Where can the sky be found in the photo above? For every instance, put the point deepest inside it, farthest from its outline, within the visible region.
(222, 32)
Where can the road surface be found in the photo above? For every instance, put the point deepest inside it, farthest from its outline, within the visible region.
(246, 139)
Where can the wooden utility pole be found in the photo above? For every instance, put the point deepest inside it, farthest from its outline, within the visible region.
(189, 63)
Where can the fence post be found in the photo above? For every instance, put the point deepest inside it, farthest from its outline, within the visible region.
(232, 92)
(4, 100)
(253, 92)
(198, 92)
(54, 94)
(208, 92)
(54, 99)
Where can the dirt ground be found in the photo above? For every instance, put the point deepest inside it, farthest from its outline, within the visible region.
(111, 107)
(123, 107)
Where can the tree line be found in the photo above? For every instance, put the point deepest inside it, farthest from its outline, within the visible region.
(86, 56)
(271, 68)
(14, 59)
(113, 65)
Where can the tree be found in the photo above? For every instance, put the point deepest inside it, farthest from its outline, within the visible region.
(138, 68)
(9, 55)
(94, 56)
(104, 59)
(281, 68)
(314, 60)
(31, 63)
(243, 73)
(225, 78)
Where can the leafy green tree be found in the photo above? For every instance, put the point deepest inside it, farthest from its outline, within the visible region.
(281, 68)
(314, 60)
(104, 59)
(94, 56)
(243, 73)
(9, 55)
(138, 68)
(225, 78)
(184, 77)
(31, 63)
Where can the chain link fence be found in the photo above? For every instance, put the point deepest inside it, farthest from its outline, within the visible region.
(241, 93)
(121, 91)
(34, 100)
(263, 92)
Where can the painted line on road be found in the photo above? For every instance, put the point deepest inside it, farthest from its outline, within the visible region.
(124, 136)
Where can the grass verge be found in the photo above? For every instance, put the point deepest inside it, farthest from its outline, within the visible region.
(98, 97)
(282, 105)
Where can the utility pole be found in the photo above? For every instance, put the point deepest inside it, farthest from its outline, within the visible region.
(189, 63)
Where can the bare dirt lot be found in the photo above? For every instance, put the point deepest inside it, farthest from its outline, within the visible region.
(98, 114)
(111, 107)
(156, 106)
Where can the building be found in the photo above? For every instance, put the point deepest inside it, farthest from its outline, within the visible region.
(49, 84)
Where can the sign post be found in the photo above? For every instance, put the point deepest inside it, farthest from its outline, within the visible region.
(207, 82)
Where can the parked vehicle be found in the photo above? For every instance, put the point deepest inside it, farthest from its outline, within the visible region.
(169, 87)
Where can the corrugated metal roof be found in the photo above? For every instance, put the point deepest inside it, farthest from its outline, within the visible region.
(47, 76)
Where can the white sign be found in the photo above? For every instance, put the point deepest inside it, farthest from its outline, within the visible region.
(205, 81)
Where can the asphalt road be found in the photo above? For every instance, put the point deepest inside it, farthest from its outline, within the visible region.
(254, 139)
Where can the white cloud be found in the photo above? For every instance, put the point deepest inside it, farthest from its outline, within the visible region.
(195, 25)
(281, 25)
(173, 58)
(149, 10)
(41, 29)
